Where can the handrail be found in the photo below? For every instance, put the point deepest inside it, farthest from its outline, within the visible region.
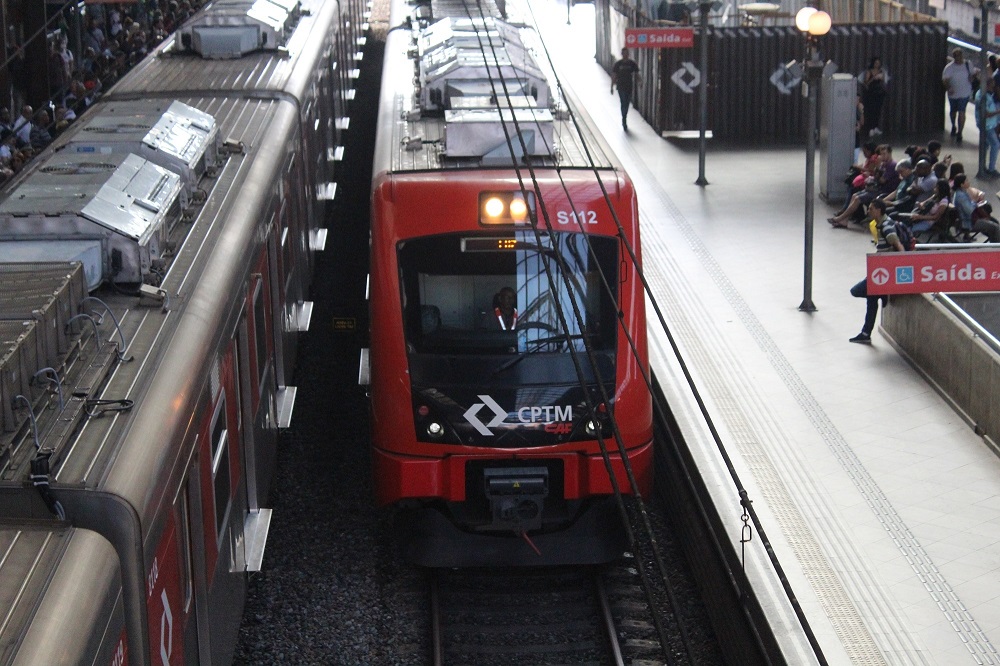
(991, 341)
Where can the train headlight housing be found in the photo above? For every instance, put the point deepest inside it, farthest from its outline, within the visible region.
(518, 209)
(493, 207)
(591, 428)
(435, 430)
(496, 208)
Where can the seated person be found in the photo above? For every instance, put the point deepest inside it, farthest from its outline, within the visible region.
(924, 181)
(934, 153)
(968, 219)
(864, 167)
(931, 212)
(883, 183)
(901, 200)
(504, 310)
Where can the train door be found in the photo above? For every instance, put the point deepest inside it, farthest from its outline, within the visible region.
(259, 450)
(224, 506)
(261, 400)
(191, 548)
(169, 589)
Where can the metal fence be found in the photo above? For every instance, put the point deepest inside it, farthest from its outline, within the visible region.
(753, 98)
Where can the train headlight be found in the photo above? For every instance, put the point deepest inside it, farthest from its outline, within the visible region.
(506, 207)
(435, 429)
(493, 207)
(518, 209)
(591, 427)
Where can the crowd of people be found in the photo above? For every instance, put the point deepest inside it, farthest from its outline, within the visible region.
(113, 40)
(924, 196)
(928, 192)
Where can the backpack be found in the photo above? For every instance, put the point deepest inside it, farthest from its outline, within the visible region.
(903, 232)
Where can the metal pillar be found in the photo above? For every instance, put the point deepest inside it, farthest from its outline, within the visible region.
(703, 8)
(813, 73)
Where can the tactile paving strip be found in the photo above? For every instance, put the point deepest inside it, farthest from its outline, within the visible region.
(740, 410)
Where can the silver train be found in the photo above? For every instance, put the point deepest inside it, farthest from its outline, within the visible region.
(154, 271)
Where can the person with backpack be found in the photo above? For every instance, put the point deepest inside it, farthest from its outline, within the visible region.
(892, 236)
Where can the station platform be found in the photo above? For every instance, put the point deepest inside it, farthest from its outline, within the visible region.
(882, 504)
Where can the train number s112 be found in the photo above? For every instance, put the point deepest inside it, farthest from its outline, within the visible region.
(576, 217)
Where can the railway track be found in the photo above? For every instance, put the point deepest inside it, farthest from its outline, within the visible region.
(565, 615)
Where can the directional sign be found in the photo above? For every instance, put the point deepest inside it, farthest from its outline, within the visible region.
(926, 272)
(783, 80)
(659, 38)
(687, 77)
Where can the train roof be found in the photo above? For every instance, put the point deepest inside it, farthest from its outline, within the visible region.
(282, 66)
(57, 586)
(240, 182)
(463, 91)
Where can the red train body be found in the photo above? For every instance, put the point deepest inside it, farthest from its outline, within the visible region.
(484, 422)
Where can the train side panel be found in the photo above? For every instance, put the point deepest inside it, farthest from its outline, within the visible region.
(178, 480)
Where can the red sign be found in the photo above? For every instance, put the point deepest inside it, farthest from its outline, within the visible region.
(659, 38)
(925, 272)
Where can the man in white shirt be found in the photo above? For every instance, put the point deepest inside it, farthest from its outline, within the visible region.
(957, 78)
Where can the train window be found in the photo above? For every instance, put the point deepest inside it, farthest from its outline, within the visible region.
(187, 569)
(221, 481)
(452, 287)
(260, 331)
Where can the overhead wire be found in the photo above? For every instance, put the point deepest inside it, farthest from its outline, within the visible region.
(579, 319)
(745, 502)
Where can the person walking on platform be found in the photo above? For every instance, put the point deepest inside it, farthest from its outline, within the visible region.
(623, 75)
(957, 78)
(889, 238)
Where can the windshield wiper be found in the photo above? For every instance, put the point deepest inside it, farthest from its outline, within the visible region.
(538, 344)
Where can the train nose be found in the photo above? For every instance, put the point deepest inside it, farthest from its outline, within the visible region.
(516, 496)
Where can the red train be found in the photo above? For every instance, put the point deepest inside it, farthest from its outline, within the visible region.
(507, 317)
(155, 263)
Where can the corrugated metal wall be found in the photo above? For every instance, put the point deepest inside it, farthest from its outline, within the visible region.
(751, 97)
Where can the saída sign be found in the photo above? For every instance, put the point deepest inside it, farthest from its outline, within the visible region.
(933, 271)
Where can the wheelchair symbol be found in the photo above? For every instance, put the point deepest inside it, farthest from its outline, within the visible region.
(880, 276)
(904, 275)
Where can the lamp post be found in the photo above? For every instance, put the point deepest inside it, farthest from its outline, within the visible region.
(813, 24)
(704, 7)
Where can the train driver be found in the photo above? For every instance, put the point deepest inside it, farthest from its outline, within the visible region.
(505, 310)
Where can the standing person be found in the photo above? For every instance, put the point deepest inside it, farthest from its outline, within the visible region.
(987, 119)
(874, 86)
(890, 240)
(957, 78)
(623, 75)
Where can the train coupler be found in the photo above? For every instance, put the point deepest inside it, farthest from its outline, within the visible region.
(516, 496)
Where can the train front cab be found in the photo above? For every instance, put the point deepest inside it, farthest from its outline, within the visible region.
(483, 435)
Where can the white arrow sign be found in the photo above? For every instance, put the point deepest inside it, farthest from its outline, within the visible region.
(679, 77)
(784, 81)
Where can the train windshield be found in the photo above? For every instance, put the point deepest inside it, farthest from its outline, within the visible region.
(509, 294)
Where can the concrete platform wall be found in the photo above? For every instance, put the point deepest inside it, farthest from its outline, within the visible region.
(961, 366)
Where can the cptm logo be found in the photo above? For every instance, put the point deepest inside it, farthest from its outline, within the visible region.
(557, 418)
